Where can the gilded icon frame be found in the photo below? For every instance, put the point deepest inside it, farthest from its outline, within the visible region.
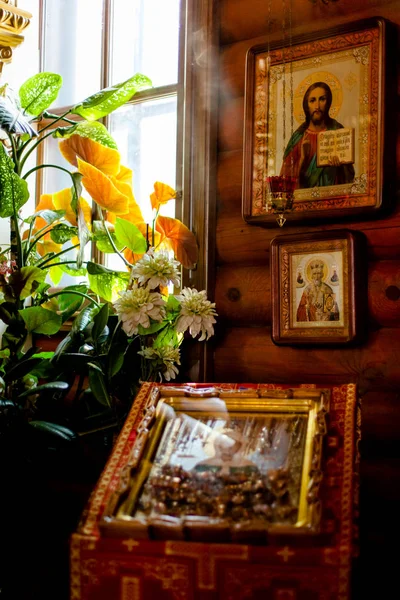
(319, 288)
(353, 59)
(156, 443)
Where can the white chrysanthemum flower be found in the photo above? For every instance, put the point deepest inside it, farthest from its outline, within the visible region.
(197, 313)
(167, 356)
(137, 306)
(156, 268)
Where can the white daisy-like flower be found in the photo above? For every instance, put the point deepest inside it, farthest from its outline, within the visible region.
(137, 306)
(156, 268)
(168, 356)
(197, 313)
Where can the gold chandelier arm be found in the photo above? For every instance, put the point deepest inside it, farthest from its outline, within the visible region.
(13, 22)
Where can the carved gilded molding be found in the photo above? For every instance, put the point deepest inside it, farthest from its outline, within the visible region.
(13, 21)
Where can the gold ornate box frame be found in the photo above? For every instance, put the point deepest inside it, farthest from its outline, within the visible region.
(215, 465)
(351, 62)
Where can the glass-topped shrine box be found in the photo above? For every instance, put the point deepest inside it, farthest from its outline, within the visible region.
(225, 491)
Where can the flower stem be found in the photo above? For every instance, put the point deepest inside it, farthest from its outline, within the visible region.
(45, 166)
(37, 238)
(122, 257)
(33, 147)
(74, 292)
(14, 154)
(41, 264)
(64, 262)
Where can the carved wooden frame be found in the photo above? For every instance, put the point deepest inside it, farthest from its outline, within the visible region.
(295, 320)
(364, 43)
(162, 402)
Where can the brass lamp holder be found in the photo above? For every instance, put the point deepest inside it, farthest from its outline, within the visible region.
(13, 21)
(280, 196)
(279, 189)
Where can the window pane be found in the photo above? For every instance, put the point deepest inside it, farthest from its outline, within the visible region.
(55, 180)
(146, 138)
(145, 40)
(72, 47)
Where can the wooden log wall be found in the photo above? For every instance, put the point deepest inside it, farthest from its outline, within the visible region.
(244, 351)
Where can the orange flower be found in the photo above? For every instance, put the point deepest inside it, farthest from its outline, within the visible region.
(178, 238)
(58, 201)
(162, 194)
(77, 147)
(105, 191)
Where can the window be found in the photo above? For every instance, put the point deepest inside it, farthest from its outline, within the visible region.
(94, 44)
(167, 133)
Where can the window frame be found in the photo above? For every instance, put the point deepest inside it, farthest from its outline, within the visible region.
(197, 150)
(196, 160)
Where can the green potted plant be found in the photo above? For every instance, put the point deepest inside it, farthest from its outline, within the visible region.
(129, 325)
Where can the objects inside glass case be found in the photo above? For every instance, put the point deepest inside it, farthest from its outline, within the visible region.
(222, 461)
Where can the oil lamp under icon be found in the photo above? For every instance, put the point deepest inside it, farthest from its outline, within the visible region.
(280, 195)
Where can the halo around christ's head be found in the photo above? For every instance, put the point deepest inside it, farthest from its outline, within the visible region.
(329, 79)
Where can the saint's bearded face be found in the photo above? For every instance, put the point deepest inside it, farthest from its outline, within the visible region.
(316, 102)
(317, 272)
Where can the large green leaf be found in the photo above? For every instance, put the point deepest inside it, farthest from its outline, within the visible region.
(168, 337)
(51, 385)
(99, 322)
(65, 301)
(70, 303)
(85, 317)
(98, 385)
(11, 118)
(56, 274)
(115, 358)
(46, 355)
(152, 329)
(62, 232)
(76, 191)
(128, 234)
(102, 240)
(65, 132)
(13, 190)
(173, 306)
(64, 345)
(73, 270)
(84, 235)
(22, 368)
(48, 215)
(26, 280)
(106, 101)
(40, 320)
(39, 92)
(55, 432)
(96, 269)
(88, 129)
(107, 285)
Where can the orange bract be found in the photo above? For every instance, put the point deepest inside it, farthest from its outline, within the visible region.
(102, 189)
(45, 203)
(134, 214)
(45, 247)
(179, 239)
(103, 158)
(161, 195)
(62, 201)
(125, 175)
